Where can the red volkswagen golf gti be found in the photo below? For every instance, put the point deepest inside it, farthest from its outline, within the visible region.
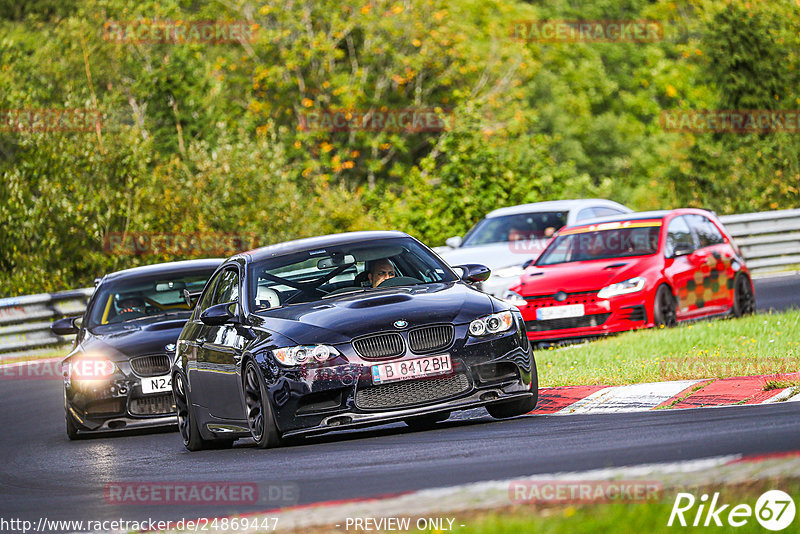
(631, 271)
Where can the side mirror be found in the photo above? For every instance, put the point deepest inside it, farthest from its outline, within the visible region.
(473, 272)
(528, 263)
(682, 250)
(453, 242)
(219, 314)
(65, 327)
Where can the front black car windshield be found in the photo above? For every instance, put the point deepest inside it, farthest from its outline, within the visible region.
(537, 225)
(597, 243)
(328, 271)
(131, 299)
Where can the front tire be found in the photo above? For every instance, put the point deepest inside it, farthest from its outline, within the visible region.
(504, 410)
(187, 422)
(260, 418)
(744, 303)
(72, 428)
(664, 308)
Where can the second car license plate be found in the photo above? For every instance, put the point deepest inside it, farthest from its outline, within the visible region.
(560, 312)
(408, 369)
(157, 384)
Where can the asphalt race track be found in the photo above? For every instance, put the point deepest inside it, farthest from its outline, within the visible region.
(42, 474)
(778, 293)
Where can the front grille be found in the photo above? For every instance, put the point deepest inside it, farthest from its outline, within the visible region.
(410, 392)
(380, 346)
(580, 296)
(569, 322)
(152, 365)
(105, 406)
(153, 405)
(431, 338)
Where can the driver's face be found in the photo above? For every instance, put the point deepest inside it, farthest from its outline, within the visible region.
(380, 272)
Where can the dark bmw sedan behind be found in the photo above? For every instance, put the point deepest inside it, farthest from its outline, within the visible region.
(344, 331)
(118, 374)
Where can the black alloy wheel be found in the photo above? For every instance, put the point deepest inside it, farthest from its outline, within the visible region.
(260, 418)
(664, 308)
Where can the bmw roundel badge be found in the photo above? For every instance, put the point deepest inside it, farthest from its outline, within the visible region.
(401, 324)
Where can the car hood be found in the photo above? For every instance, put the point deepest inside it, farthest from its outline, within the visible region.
(133, 338)
(578, 276)
(339, 319)
(496, 255)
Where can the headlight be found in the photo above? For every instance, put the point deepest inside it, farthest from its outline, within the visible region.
(512, 297)
(492, 324)
(623, 288)
(303, 354)
(90, 368)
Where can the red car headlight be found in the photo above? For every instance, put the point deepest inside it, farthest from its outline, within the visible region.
(632, 285)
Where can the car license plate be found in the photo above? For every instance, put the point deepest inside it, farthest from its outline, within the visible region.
(157, 384)
(560, 312)
(408, 369)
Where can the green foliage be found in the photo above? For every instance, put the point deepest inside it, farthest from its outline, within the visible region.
(202, 137)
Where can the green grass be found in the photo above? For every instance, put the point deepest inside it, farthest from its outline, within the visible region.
(765, 344)
(625, 517)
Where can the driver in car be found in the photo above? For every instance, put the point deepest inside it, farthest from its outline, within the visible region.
(131, 304)
(379, 271)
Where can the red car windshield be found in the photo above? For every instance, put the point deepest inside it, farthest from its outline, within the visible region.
(603, 241)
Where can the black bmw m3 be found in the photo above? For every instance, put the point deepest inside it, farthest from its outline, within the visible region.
(344, 331)
(117, 377)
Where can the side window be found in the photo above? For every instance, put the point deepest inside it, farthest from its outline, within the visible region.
(707, 232)
(227, 289)
(205, 299)
(586, 213)
(678, 233)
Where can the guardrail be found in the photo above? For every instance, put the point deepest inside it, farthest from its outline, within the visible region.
(769, 240)
(25, 321)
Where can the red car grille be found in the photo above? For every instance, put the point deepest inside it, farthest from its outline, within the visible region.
(579, 297)
(586, 321)
(634, 313)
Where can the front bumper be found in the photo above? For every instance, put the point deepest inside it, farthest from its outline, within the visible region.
(321, 399)
(117, 404)
(601, 316)
(351, 420)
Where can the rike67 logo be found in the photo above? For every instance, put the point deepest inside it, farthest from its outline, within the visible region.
(774, 510)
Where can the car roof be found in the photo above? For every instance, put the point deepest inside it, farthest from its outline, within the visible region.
(299, 245)
(172, 267)
(556, 205)
(641, 215)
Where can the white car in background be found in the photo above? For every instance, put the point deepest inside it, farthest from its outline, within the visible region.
(508, 237)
